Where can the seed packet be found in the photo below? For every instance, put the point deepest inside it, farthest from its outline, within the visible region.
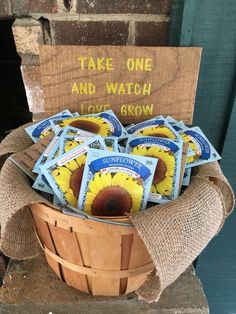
(165, 185)
(104, 123)
(156, 128)
(114, 183)
(65, 172)
(51, 152)
(111, 143)
(187, 177)
(204, 152)
(43, 128)
(48, 153)
(177, 125)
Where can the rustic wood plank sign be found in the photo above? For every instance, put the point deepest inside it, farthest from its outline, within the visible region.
(137, 83)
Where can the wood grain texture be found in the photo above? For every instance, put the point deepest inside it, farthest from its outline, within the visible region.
(94, 257)
(172, 73)
(44, 235)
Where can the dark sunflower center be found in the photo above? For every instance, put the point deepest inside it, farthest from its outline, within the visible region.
(159, 135)
(160, 171)
(112, 201)
(86, 126)
(75, 180)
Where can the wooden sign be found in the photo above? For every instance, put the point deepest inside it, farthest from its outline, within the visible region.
(137, 83)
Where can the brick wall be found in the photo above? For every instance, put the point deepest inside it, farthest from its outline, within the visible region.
(81, 22)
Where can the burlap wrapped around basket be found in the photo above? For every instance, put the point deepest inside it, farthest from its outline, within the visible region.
(174, 233)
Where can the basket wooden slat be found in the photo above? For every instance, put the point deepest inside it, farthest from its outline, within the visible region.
(44, 234)
(67, 247)
(101, 258)
(138, 258)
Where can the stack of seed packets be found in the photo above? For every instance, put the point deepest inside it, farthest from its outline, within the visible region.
(96, 165)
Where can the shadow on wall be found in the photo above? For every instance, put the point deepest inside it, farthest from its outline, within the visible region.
(13, 103)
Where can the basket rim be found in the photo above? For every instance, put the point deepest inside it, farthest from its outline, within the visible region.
(82, 224)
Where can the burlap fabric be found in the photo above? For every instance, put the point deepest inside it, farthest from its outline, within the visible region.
(174, 233)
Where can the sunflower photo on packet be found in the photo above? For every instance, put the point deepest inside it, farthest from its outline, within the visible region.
(204, 152)
(166, 180)
(43, 128)
(115, 183)
(104, 123)
(65, 172)
(157, 127)
(67, 143)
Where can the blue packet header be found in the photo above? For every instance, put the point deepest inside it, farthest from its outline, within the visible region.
(156, 127)
(115, 183)
(43, 128)
(204, 151)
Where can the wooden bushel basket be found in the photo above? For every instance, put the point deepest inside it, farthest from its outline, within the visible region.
(97, 256)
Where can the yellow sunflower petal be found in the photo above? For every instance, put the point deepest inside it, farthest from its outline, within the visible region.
(72, 165)
(62, 175)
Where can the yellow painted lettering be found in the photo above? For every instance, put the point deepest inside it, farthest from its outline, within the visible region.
(147, 89)
(91, 89)
(130, 110)
(148, 64)
(109, 66)
(137, 89)
(82, 61)
(129, 88)
(138, 111)
(139, 64)
(111, 88)
(75, 89)
(83, 88)
(91, 109)
(91, 64)
(130, 64)
(123, 110)
(148, 110)
(121, 89)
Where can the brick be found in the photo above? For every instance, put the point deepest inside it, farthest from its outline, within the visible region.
(27, 7)
(151, 34)
(33, 87)
(89, 33)
(124, 6)
(28, 34)
(5, 8)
